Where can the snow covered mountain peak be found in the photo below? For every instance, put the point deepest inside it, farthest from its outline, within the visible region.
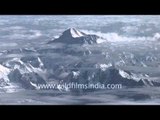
(74, 36)
(75, 33)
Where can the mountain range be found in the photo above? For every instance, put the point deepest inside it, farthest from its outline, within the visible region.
(69, 66)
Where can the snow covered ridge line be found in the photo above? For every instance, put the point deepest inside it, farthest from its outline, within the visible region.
(73, 85)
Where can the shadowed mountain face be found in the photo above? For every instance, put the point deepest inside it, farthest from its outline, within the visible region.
(73, 36)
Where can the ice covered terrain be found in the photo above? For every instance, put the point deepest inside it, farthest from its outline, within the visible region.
(63, 49)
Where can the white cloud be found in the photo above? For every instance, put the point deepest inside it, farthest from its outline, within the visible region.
(115, 37)
(156, 36)
(23, 34)
(8, 44)
(130, 29)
